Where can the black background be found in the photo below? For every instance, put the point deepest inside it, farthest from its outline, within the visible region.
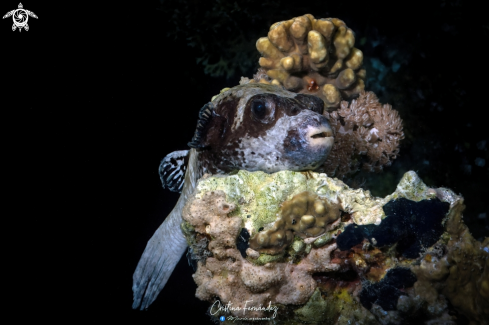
(94, 95)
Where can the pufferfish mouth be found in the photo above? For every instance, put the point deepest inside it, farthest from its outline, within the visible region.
(324, 134)
(320, 132)
(320, 137)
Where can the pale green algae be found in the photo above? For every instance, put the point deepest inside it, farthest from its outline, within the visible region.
(258, 195)
(315, 310)
(188, 231)
(323, 240)
(266, 258)
(338, 307)
(412, 188)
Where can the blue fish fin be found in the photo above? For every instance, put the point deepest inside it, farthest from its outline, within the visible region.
(166, 246)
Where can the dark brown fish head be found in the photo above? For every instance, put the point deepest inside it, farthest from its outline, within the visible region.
(262, 127)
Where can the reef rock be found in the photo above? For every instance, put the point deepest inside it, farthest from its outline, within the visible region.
(294, 247)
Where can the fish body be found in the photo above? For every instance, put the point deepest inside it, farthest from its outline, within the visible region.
(253, 127)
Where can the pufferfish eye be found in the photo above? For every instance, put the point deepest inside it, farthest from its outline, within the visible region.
(259, 109)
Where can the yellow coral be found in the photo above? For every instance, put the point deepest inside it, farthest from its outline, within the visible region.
(313, 56)
(305, 215)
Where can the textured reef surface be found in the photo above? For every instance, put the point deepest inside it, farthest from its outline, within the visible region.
(317, 57)
(293, 248)
(304, 248)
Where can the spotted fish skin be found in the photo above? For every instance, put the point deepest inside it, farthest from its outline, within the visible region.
(288, 133)
(252, 127)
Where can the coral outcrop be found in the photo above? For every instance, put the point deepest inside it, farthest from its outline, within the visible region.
(304, 248)
(317, 57)
(234, 279)
(313, 56)
(457, 270)
(305, 215)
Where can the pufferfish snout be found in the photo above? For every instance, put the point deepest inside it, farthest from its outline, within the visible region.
(307, 146)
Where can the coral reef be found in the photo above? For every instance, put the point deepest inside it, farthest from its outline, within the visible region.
(313, 56)
(412, 225)
(456, 269)
(235, 280)
(367, 135)
(305, 215)
(403, 259)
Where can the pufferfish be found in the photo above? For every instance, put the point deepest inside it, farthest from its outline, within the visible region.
(253, 127)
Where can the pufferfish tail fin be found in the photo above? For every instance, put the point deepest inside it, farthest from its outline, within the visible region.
(172, 170)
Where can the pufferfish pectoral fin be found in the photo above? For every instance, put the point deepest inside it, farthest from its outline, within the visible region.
(172, 170)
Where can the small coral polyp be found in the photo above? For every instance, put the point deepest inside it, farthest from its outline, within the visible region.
(330, 269)
(363, 127)
(313, 56)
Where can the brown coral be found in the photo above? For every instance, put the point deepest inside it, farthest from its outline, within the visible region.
(363, 127)
(458, 271)
(235, 280)
(305, 215)
(313, 56)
